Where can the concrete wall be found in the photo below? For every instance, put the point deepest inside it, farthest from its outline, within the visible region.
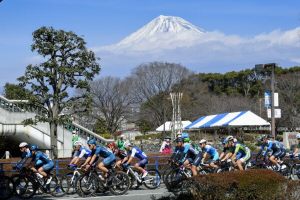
(11, 126)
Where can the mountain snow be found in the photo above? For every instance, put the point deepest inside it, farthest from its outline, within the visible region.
(163, 32)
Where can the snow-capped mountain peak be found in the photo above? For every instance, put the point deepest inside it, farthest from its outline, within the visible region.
(162, 32)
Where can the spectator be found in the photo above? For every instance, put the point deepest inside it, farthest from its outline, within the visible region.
(75, 137)
(166, 146)
(121, 142)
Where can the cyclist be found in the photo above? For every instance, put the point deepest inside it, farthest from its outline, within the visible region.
(209, 152)
(227, 151)
(42, 163)
(99, 151)
(80, 151)
(297, 149)
(26, 154)
(135, 152)
(271, 145)
(118, 153)
(241, 152)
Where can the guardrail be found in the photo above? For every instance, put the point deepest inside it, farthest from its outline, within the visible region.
(61, 165)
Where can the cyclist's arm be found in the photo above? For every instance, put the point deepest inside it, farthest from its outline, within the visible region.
(93, 158)
(222, 155)
(133, 152)
(296, 151)
(204, 157)
(87, 161)
(227, 156)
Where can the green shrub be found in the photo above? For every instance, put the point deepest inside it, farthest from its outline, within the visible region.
(240, 185)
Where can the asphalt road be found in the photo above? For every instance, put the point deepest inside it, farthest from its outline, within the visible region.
(139, 194)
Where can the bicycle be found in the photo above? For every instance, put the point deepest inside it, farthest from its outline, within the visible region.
(151, 181)
(174, 180)
(6, 186)
(294, 167)
(71, 178)
(90, 182)
(27, 183)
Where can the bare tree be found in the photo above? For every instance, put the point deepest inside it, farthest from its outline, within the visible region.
(288, 86)
(152, 83)
(111, 101)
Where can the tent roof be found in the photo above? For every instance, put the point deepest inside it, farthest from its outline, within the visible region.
(168, 125)
(243, 118)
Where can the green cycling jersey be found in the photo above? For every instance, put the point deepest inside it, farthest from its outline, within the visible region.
(241, 148)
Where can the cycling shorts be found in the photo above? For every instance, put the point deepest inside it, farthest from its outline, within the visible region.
(197, 160)
(283, 153)
(215, 157)
(246, 157)
(143, 163)
(108, 161)
(49, 166)
(277, 153)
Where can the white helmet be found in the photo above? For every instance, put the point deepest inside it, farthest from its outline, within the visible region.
(229, 138)
(77, 143)
(298, 136)
(202, 141)
(122, 136)
(127, 144)
(23, 144)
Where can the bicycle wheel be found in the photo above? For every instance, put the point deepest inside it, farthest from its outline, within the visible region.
(153, 179)
(174, 180)
(24, 187)
(57, 188)
(285, 170)
(68, 183)
(295, 172)
(6, 187)
(119, 183)
(133, 183)
(88, 184)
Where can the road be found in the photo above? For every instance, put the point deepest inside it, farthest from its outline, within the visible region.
(139, 194)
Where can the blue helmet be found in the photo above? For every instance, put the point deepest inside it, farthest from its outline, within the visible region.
(179, 139)
(34, 147)
(185, 135)
(91, 141)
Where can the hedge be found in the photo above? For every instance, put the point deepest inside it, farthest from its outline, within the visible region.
(240, 185)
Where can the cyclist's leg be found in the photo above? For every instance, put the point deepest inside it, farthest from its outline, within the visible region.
(214, 159)
(46, 168)
(141, 166)
(196, 163)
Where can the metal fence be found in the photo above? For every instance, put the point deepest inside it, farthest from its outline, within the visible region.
(159, 162)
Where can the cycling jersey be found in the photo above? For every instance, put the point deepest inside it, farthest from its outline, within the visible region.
(229, 149)
(121, 154)
(137, 153)
(83, 152)
(101, 151)
(42, 160)
(26, 154)
(271, 146)
(242, 152)
(211, 151)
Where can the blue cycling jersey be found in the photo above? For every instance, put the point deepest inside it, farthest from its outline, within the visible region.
(210, 150)
(41, 158)
(83, 151)
(272, 146)
(26, 154)
(137, 153)
(102, 152)
(189, 150)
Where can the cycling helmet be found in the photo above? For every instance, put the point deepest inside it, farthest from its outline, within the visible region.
(122, 136)
(229, 138)
(184, 135)
(127, 144)
(91, 141)
(263, 137)
(34, 147)
(179, 139)
(112, 144)
(186, 140)
(23, 144)
(77, 143)
(202, 141)
(298, 136)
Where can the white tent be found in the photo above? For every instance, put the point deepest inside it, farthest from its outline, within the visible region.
(168, 126)
(234, 119)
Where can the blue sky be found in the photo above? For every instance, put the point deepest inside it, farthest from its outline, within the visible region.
(104, 22)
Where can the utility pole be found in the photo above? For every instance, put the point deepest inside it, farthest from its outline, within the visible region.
(261, 67)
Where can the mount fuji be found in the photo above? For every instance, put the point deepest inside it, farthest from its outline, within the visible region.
(173, 39)
(163, 32)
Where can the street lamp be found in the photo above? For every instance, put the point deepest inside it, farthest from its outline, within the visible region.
(272, 66)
